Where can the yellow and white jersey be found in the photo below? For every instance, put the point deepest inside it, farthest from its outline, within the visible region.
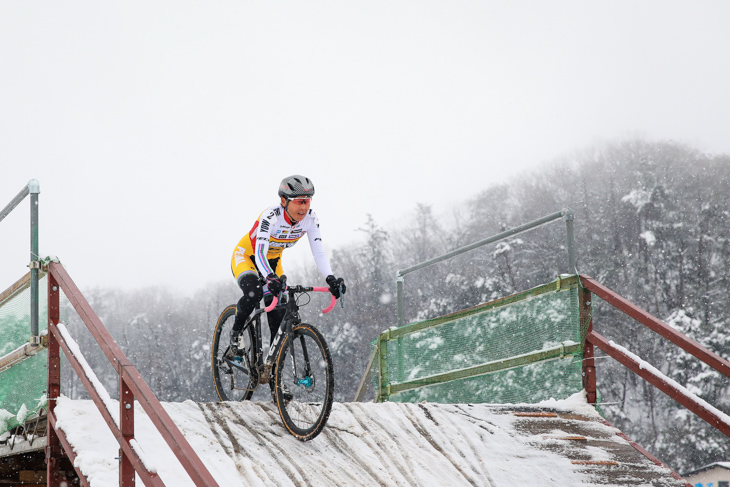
(273, 232)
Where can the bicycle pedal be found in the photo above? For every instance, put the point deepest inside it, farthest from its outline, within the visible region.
(286, 395)
(224, 366)
(233, 353)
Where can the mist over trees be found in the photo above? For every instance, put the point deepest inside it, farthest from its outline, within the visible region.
(652, 222)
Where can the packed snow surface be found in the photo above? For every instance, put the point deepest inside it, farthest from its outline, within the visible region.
(389, 444)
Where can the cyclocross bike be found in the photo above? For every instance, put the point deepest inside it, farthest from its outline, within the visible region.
(298, 360)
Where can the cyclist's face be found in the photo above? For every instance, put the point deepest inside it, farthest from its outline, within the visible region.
(298, 207)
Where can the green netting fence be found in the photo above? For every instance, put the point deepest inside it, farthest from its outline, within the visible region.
(524, 348)
(23, 385)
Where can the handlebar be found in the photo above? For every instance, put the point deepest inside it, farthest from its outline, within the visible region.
(303, 290)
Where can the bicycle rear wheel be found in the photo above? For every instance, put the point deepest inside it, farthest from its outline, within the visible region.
(305, 382)
(235, 375)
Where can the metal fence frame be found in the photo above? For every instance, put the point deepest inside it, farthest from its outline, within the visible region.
(33, 189)
(566, 214)
(566, 348)
(33, 346)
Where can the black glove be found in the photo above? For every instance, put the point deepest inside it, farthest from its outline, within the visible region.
(335, 283)
(274, 283)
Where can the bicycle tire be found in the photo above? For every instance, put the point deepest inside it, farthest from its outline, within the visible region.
(233, 383)
(312, 392)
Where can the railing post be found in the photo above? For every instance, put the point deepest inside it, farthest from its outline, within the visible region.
(53, 445)
(34, 190)
(399, 281)
(126, 418)
(589, 365)
(383, 367)
(569, 219)
(365, 382)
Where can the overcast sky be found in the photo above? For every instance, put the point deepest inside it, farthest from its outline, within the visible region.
(160, 130)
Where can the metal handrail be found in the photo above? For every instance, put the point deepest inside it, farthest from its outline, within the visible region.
(566, 214)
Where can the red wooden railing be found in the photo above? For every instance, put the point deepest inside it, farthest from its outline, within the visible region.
(691, 402)
(131, 387)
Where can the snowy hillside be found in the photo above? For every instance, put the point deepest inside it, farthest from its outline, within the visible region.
(376, 444)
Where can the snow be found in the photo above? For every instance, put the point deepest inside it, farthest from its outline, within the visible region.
(144, 458)
(363, 444)
(648, 237)
(98, 386)
(575, 404)
(638, 198)
(22, 414)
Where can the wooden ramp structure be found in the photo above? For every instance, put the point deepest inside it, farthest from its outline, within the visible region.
(388, 444)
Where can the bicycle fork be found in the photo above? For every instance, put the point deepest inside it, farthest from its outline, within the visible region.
(307, 380)
(301, 377)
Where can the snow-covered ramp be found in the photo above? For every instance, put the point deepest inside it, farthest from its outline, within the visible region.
(392, 444)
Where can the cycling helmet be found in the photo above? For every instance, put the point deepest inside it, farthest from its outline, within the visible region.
(295, 187)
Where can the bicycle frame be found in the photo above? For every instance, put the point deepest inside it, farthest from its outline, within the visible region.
(264, 363)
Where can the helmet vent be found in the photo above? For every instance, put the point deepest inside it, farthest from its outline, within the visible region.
(296, 185)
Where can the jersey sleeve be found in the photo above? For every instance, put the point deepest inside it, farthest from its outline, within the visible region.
(261, 242)
(315, 243)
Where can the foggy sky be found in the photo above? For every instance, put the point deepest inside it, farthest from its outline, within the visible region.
(160, 130)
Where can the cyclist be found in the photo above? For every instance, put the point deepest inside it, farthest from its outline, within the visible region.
(256, 261)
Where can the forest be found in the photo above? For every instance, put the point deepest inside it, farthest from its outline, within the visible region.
(652, 222)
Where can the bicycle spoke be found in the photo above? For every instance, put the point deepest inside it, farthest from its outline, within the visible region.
(234, 375)
(305, 385)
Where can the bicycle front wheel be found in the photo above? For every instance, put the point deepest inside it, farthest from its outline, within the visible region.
(234, 374)
(305, 381)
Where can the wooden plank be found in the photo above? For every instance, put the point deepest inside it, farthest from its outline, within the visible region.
(149, 478)
(38, 444)
(594, 462)
(660, 383)
(19, 354)
(648, 455)
(657, 325)
(180, 447)
(60, 436)
(589, 364)
(18, 286)
(536, 414)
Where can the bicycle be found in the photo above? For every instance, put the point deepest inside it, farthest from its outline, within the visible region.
(303, 390)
